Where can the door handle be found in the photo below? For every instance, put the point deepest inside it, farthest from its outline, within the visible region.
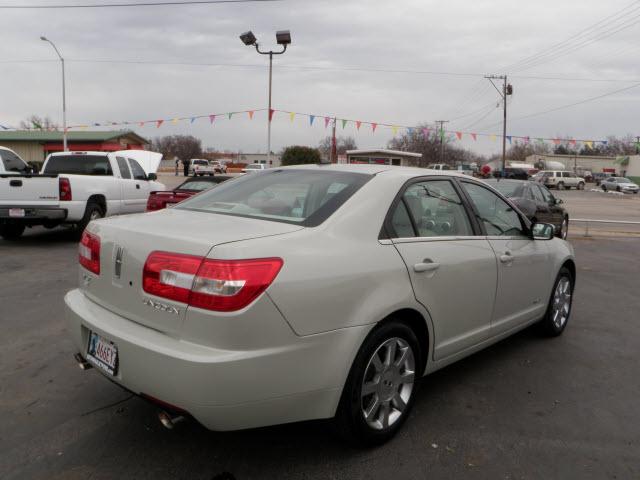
(426, 266)
(138, 186)
(506, 257)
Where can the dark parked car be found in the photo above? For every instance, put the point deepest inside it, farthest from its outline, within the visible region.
(536, 202)
(513, 173)
(159, 200)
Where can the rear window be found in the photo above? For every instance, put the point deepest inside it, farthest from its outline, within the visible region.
(303, 197)
(79, 165)
(200, 162)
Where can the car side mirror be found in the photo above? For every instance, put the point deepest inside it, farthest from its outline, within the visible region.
(152, 176)
(559, 201)
(543, 231)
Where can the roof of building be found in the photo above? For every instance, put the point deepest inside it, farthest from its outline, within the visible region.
(56, 136)
(384, 152)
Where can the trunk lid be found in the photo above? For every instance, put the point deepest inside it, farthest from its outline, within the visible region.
(127, 241)
(27, 190)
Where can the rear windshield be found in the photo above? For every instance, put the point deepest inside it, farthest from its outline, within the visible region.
(200, 162)
(200, 185)
(79, 165)
(302, 197)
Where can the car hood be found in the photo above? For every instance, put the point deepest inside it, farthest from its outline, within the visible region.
(149, 161)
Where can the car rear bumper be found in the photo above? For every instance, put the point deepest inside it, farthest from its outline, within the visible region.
(33, 214)
(222, 389)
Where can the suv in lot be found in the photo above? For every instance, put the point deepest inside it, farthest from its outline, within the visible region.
(562, 179)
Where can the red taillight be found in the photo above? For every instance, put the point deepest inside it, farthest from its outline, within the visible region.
(64, 187)
(220, 285)
(89, 252)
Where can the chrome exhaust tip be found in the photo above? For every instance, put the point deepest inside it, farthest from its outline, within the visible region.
(82, 363)
(168, 421)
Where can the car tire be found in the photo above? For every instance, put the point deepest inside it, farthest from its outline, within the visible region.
(604, 188)
(560, 186)
(581, 186)
(11, 231)
(93, 212)
(564, 229)
(390, 382)
(559, 309)
(617, 189)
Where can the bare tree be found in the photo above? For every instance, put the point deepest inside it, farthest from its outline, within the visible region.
(342, 145)
(185, 147)
(38, 123)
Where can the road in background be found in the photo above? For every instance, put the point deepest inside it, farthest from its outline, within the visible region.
(526, 408)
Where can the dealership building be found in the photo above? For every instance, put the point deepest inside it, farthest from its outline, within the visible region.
(35, 145)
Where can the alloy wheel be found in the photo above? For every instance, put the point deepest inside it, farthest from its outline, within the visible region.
(387, 385)
(564, 229)
(561, 303)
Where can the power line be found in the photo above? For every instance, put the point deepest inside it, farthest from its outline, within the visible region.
(568, 105)
(133, 4)
(588, 30)
(334, 68)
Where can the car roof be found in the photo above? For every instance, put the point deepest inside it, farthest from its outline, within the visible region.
(387, 170)
(509, 180)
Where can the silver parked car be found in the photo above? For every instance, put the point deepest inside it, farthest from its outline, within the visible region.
(619, 184)
(323, 291)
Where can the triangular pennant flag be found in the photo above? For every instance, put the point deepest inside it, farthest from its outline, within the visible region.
(540, 140)
(344, 122)
(311, 119)
(212, 118)
(394, 129)
(526, 139)
(474, 136)
(158, 123)
(292, 115)
(572, 141)
(250, 114)
(174, 121)
(589, 143)
(492, 137)
(271, 112)
(97, 125)
(142, 124)
(604, 142)
(230, 114)
(373, 127)
(459, 135)
(556, 141)
(509, 139)
(326, 121)
(410, 131)
(425, 131)
(358, 124)
(193, 119)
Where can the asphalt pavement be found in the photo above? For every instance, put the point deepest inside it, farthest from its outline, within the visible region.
(526, 408)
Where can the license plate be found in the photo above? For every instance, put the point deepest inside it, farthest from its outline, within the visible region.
(16, 212)
(102, 353)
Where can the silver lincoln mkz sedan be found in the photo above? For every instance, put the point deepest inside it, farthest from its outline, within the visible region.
(321, 291)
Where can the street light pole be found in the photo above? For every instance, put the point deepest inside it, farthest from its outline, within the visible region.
(64, 96)
(283, 37)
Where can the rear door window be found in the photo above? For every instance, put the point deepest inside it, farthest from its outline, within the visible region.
(431, 209)
(123, 167)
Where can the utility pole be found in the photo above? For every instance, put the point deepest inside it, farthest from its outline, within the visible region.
(506, 90)
(334, 146)
(637, 145)
(440, 131)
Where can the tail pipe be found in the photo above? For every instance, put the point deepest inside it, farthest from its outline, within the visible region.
(82, 363)
(168, 421)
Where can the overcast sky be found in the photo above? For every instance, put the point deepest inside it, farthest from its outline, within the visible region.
(421, 35)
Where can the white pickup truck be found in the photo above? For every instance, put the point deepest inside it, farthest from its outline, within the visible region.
(75, 188)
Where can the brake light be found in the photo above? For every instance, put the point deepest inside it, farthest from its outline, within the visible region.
(64, 188)
(218, 285)
(89, 252)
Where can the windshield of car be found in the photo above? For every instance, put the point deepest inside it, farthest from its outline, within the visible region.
(304, 197)
(79, 165)
(199, 185)
(508, 189)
